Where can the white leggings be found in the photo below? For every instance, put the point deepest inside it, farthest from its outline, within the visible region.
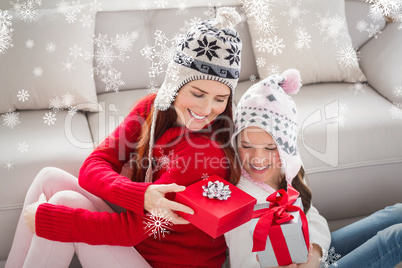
(62, 188)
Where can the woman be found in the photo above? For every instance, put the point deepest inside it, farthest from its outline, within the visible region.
(266, 140)
(199, 83)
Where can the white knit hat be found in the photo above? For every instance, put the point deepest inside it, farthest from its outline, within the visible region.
(211, 50)
(267, 105)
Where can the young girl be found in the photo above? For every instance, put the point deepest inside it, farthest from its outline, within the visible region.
(266, 140)
(200, 86)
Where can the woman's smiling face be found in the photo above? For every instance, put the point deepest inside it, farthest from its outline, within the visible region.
(199, 102)
(259, 156)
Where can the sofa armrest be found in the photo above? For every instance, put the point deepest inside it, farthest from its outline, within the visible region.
(381, 62)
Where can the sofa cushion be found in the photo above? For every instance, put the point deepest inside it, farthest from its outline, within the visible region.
(381, 60)
(29, 147)
(147, 28)
(350, 148)
(316, 41)
(45, 64)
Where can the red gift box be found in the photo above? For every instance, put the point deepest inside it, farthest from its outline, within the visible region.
(216, 217)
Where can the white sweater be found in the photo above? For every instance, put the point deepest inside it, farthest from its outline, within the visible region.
(240, 242)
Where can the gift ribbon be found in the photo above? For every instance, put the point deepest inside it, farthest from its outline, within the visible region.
(276, 214)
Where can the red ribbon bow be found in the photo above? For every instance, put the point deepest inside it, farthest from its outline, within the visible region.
(276, 214)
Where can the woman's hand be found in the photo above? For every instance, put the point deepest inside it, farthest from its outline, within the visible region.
(30, 212)
(154, 199)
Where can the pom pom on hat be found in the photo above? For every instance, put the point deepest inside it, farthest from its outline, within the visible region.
(292, 82)
(227, 17)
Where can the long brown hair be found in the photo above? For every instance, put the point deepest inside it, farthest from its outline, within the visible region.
(166, 119)
(301, 187)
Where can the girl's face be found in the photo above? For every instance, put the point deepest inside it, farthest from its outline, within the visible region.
(259, 156)
(199, 102)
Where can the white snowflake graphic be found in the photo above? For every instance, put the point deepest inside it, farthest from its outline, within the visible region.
(396, 110)
(86, 20)
(333, 27)
(11, 119)
(107, 51)
(69, 9)
(384, 8)
(257, 10)
(303, 38)
(75, 51)
(49, 118)
(23, 147)
(253, 78)
(72, 111)
(160, 54)
(113, 80)
(348, 56)
(37, 71)
(361, 25)
(68, 65)
(294, 12)
(23, 95)
(330, 258)
(161, 3)
(204, 176)
(183, 8)
(9, 165)
(358, 86)
(51, 47)
(275, 45)
(273, 68)
(164, 161)
(157, 223)
(343, 108)
(397, 91)
(29, 43)
(56, 104)
(373, 30)
(26, 11)
(67, 100)
(261, 62)
(5, 31)
(95, 6)
(267, 25)
(152, 86)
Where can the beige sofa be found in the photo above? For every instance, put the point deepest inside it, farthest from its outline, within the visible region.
(352, 154)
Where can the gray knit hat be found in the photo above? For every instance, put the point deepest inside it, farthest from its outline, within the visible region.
(210, 50)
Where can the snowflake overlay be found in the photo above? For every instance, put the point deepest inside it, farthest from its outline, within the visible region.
(23, 147)
(157, 223)
(347, 56)
(294, 12)
(273, 45)
(160, 54)
(333, 27)
(23, 95)
(330, 257)
(358, 86)
(387, 8)
(49, 118)
(164, 161)
(396, 110)
(11, 119)
(5, 31)
(26, 11)
(397, 91)
(303, 38)
(9, 165)
(107, 51)
(343, 108)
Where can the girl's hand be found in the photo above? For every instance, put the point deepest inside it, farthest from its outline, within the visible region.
(154, 200)
(30, 212)
(300, 265)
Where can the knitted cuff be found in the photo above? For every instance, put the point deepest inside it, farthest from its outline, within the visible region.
(130, 195)
(54, 222)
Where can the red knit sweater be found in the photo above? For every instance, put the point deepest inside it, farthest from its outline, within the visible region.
(180, 159)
